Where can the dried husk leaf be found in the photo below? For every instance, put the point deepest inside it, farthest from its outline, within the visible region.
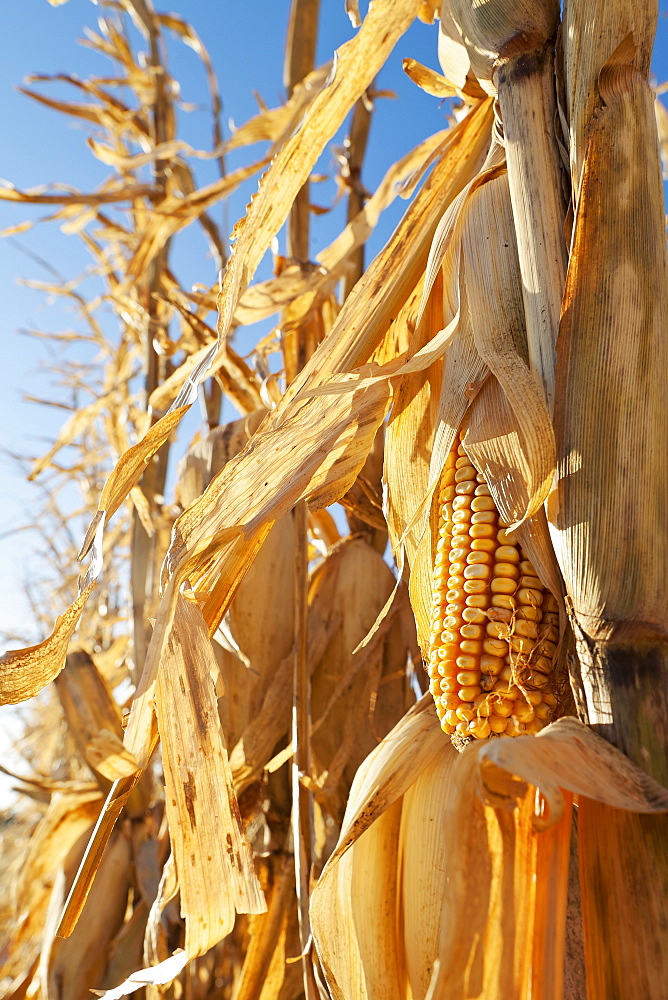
(73, 966)
(427, 811)
(593, 31)
(88, 704)
(355, 922)
(490, 269)
(505, 851)
(612, 355)
(26, 671)
(67, 818)
(201, 806)
(356, 698)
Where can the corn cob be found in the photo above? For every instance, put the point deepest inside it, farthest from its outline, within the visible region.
(494, 627)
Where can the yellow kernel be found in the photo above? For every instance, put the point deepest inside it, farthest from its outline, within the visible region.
(452, 622)
(465, 713)
(532, 582)
(532, 597)
(457, 568)
(479, 558)
(448, 493)
(447, 668)
(463, 458)
(448, 476)
(515, 727)
(455, 580)
(483, 545)
(495, 647)
(434, 687)
(452, 701)
(526, 568)
(462, 729)
(461, 450)
(450, 651)
(470, 646)
(455, 594)
(450, 637)
(477, 601)
(506, 673)
(550, 618)
(504, 537)
(451, 717)
(491, 664)
(533, 697)
(468, 678)
(482, 503)
(502, 708)
(482, 706)
(501, 585)
(497, 724)
(520, 644)
(508, 691)
(461, 503)
(478, 571)
(465, 487)
(504, 601)
(461, 517)
(476, 586)
(527, 629)
(474, 616)
(482, 490)
(523, 712)
(467, 663)
(482, 531)
(498, 630)
(480, 478)
(449, 685)
(465, 474)
(461, 541)
(449, 730)
(538, 681)
(550, 603)
(507, 554)
(480, 729)
(469, 693)
(484, 517)
(535, 726)
(549, 698)
(542, 710)
(506, 570)
(454, 609)
(529, 614)
(472, 631)
(500, 615)
(549, 632)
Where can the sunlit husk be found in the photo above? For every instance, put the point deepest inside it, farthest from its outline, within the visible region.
(612, 351)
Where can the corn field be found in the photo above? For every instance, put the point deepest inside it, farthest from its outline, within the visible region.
(367, 698)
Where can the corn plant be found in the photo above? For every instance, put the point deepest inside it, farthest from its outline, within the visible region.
(486, 393)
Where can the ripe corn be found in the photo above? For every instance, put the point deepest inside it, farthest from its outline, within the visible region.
(494, 627)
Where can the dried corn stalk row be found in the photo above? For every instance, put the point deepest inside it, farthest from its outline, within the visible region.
(494, 627)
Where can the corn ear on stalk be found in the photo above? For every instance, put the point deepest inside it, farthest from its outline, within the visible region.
(494, 628)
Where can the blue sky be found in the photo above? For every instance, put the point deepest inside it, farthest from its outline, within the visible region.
(246, 43)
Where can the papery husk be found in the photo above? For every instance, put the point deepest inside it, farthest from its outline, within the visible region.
(593, 30)
(360, 326)
(356, 699)
(505, 851)
(489, 29)
(519, 464)
(68, 817)
(70, 968)
(202, 809)
(612, 424)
